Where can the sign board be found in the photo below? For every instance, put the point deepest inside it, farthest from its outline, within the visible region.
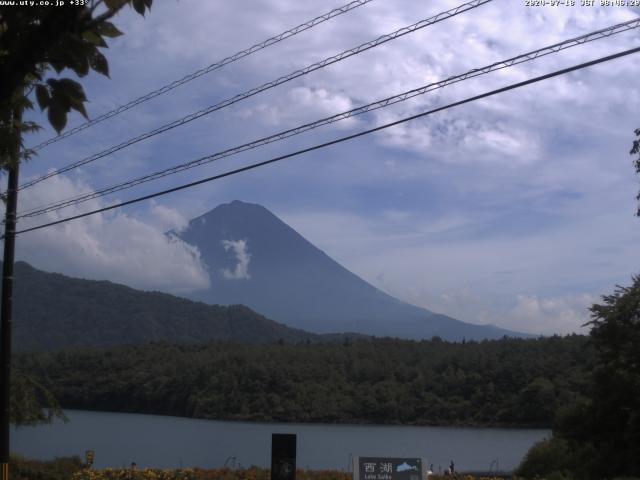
(283, 456)
(384, 468)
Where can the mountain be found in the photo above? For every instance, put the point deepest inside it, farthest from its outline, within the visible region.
(53, 311)
(255, 259)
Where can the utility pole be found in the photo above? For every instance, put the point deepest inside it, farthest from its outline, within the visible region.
(7, 304)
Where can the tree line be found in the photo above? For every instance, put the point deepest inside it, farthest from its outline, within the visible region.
(508, 382)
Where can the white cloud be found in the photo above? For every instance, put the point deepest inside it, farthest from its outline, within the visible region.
(310, 104)
(168, 218)
(415, 137)
(113, 245)
(243, 257)
(560, 315)
(530, 313)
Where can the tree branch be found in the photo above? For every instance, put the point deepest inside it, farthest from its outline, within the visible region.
(103, 17)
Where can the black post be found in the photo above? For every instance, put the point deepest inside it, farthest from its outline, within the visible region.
(6, 312)
(283, 456)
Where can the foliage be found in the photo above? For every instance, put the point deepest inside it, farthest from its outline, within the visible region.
(73, 469)
(129, 474)
(544, 458)
(53, 311)
(35, 39)
(464, 477)
(504, 382)
(615, 395)
(59, 469)
(601, 432)
(635, 150)
(255, 473)
(251, 473)
(30, 402)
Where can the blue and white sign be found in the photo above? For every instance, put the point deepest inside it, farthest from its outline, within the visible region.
(384, 468)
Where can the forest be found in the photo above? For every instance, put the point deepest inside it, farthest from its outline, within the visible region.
(54, 311)
(508, 382)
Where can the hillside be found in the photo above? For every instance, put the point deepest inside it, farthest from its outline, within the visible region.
(53, 311)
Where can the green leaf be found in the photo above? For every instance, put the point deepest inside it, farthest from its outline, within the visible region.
(27, 103)
(94, 38)
(29, 127)
(57, 64)
(42, 95)
(67, 94)
(58, 56)
(72, 89)
(98, 62)
(81, 66)
(73, 51)
(78, 106)
(139, 6)
(108, 29)
(114, 4)
(60, 100)
(57, 117)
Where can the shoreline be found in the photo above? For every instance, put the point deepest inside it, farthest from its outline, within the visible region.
(331, 424)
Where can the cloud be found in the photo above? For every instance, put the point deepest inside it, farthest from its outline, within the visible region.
(530, 313)
(311, 103)
(111, 246)
(241, 252)
(560, 315)
(168, 218)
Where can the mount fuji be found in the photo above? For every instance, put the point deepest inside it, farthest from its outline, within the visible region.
(257, 260)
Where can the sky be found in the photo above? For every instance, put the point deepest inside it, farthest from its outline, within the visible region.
(516, 210)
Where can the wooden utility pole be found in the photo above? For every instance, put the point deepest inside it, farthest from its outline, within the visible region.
(6, 308)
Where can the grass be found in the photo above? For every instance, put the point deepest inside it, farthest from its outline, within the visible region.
(72, 468)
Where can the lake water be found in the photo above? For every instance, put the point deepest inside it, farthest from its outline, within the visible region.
(169, 442)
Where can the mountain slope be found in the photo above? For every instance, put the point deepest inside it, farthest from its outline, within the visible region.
(257, 260)
(52, 311)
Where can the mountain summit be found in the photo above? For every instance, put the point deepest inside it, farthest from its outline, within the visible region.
(256, 259)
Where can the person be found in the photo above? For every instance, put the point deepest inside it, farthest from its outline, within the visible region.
(132, 471)
(452, 470)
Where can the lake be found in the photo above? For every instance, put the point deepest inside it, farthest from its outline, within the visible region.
(169, 442)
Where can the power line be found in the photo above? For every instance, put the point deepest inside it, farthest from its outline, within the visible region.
(254, 91)
(340, 140)
(532, 55)
(214, 66)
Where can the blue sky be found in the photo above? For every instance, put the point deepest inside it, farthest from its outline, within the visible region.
(516, 210)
